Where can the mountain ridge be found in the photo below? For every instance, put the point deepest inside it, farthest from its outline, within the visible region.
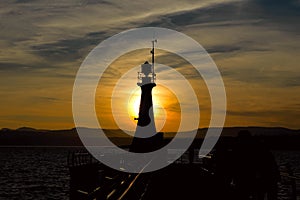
(26, 136)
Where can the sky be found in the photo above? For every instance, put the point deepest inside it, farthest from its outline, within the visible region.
(254, 43)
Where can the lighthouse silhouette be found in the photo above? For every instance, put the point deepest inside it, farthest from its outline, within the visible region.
(146, 139)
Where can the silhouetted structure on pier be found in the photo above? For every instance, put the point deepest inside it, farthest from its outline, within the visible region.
(146, 139)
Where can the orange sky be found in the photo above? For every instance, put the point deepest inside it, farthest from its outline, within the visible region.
(255, 45)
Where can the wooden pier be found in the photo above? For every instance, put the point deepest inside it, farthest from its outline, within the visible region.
(184, 179)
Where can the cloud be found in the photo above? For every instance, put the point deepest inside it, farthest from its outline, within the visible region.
(235, 13)
(254, 43)
(68, 49)
(264, 117)
(4, 67)
(47, 98)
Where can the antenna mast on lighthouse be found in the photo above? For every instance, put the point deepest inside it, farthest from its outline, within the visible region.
(147, 74)
(152, 52)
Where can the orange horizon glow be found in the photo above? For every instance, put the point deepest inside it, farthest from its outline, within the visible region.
(161, 111)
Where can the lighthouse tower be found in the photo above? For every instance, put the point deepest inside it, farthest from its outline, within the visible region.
(146, 138)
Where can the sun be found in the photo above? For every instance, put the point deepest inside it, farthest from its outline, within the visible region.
(158, 109)
(134, 104)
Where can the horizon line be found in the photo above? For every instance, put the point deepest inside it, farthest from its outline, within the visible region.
(115, 129)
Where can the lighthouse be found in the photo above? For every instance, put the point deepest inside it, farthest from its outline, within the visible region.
(146, 139)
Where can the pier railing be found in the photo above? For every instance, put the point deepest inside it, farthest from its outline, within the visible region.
(79, 158)
(92, 180)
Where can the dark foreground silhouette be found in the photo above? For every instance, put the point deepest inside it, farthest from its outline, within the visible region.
(248, 170)
(241, 170)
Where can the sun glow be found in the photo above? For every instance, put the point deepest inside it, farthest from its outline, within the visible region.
(160, 113)
(124, 101)
(134, 104)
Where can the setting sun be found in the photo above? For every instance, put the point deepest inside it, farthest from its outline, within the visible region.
(134, 104)
(160, 113)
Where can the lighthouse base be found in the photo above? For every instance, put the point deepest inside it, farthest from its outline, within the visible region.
(144, 145)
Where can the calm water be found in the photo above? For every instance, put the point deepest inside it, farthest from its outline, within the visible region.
(34, 173)
(42, 173)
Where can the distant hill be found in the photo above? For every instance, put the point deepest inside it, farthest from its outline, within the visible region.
(26, 136)
(255, 131)
(32, 137)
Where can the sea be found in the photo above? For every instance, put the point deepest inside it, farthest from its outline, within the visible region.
(42, 173)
